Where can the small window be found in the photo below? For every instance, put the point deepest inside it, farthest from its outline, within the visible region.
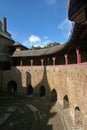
(65, 102)
(78, 120)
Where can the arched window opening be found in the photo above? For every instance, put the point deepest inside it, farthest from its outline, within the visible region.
(65, 102)
(42, 91)
(53, 95)
(29, 89)
(78, 120)
(12, 87)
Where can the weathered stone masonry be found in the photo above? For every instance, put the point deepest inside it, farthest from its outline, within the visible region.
(68, 80)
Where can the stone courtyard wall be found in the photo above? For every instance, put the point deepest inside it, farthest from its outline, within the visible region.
(70, 80)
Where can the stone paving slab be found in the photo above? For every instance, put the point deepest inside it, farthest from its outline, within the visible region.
(5, 117)
(33, 108)
(11, 109)
(35, 111)
(38, 117)
(7, 114)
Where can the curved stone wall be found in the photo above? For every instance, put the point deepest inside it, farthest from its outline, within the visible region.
(68, 80)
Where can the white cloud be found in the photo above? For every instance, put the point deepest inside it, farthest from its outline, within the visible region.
(50, 2)
(66, 24)
(34, 39)
(66, 27)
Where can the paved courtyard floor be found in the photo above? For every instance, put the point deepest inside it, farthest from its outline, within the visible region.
(29, 113)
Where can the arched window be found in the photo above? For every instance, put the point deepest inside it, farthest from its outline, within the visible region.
(53, 95)
(78, 120)
(29, 89)
(12, 86)
(42, 91)
(65, 102)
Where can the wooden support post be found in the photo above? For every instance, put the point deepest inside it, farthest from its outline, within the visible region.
(66, 59)
(54, 58)
(78, 56)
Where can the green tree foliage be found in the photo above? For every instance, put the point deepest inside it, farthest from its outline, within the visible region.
(47, 46)
(36, 48)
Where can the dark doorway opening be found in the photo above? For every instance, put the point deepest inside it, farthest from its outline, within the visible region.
(12, 87)
(42, 91)
(29, 89)
(53, 95)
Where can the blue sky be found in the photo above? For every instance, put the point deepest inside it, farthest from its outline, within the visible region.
(37, 22)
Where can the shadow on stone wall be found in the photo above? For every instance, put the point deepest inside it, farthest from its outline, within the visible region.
(44, 94)
(42, 91)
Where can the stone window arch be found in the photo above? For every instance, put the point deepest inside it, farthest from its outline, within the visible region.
(53, 95)
(42, 91)
(65, 102)
(78, 120)
(29, 89)
(12, 86)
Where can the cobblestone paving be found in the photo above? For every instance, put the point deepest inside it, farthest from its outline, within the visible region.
(27, 113)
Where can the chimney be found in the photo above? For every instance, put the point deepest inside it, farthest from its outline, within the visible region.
(4, 25)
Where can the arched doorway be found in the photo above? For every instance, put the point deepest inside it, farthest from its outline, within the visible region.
(65, 102)
(42, 91)
(12, 86)
(78, 120)
(53, 95)
(29, 89)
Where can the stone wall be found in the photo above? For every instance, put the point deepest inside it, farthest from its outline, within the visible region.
(68, 81)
